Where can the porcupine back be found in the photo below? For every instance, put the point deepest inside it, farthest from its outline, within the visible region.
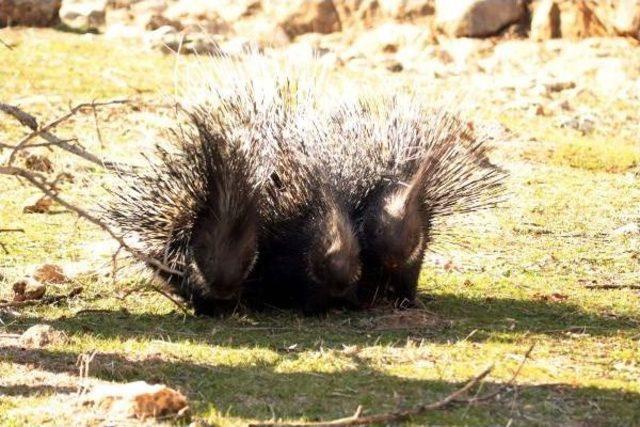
(196, 208)
(420, 166)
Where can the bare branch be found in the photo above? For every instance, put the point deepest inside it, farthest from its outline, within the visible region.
(46, 300)
(394, 417)
(51, 193)
(29, 121)
(5, 44)
(357, 419)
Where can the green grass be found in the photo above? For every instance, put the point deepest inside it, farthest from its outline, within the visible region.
(553, 237)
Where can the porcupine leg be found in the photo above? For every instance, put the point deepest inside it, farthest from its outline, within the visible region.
(315, 301)
(404, 285)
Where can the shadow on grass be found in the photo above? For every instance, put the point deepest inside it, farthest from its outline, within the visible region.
(258, 390)
(450, 317)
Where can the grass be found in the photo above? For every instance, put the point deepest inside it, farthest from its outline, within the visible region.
(521, 280)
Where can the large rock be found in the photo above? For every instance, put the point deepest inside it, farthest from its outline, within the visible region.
(34, 13)
(84, 15)
(627, 18)
(197, 16)
(477, 18)
(545, 20)
(580, 19)
(400, 9)
(311, 16)
(391, 38)
(358, 13)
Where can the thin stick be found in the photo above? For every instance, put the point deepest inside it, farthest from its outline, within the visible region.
(627, 286)
(357, 419)
(47, 300)
(30, 121)
(42, 186)
(170, 298)
(5, 44)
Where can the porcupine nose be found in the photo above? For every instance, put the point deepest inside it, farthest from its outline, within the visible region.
(341, 273)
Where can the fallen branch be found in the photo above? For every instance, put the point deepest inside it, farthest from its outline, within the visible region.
(5, 44)
(43, 301)
(454, 398)
(38, 182)
(627, 286)
(393, 417)
(30, 121)
(503, 387)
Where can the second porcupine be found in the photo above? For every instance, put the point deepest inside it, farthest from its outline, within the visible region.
(422, 166)
(310, 252)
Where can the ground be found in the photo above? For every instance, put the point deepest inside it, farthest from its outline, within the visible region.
(524, 275)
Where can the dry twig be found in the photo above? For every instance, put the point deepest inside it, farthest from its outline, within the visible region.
(39, 182)
(46, 300)
(30, 121)
(456, 397)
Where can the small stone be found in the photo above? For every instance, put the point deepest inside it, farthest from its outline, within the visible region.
(39, 336)
(394, 66)
(84, 15)
(28, 290)
(138, 399)
(50, 273)
(625, 230)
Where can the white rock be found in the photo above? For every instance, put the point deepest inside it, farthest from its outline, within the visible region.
(545, 20)
(627, 17)
(83, 15)
(631, 228)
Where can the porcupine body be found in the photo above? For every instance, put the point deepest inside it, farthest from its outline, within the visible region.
(196, 210)
(421, 167)
(310, 251)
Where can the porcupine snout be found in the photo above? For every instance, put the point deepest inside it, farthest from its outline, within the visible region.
(338, 263)
(223, 256)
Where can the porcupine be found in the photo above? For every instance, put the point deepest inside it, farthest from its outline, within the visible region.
(311, 255)
(421, 166)
(196, 211)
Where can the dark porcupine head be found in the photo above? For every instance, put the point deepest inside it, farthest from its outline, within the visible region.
(428, 168)
(311, 252)
(196, 211)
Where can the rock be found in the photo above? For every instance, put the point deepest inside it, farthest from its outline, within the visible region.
(33, 13)
(137, 399)
(626, 20)
(545, 20)
(50, 273)
(83, 15)
(579, 20)
(198, 16)
(626, 230)
(390, 38)
(28, 290)
(38, 163)
(311, 16)
(39, 336)
(559, 85)
(393, 65)
(168, 40)
(358, 13)
(400, 9)
(476, 18)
